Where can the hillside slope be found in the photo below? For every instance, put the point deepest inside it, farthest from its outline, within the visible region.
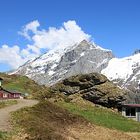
(47, 121)
(21, 84)
(67, 115)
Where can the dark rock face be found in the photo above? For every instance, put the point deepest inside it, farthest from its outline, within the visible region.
(93, 87)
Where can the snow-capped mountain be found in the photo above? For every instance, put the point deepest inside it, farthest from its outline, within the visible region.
(124, 71)
(55, 65)
(81, 58)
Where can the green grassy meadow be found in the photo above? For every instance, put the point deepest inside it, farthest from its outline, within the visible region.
(103, 117)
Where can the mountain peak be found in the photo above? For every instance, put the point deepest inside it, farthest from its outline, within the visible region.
(55, 65)
(84, 42)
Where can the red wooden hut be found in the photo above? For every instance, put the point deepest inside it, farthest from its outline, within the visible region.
(5, 94)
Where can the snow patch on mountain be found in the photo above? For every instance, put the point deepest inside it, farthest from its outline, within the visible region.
(51, 72)
(82, 54)
(121, 68)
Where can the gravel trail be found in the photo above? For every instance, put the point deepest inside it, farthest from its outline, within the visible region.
(5, 112)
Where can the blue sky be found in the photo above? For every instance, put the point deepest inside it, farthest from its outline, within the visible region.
(113, 24)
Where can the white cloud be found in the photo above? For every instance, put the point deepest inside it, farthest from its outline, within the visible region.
(11, 56)
(67, 35)
(30, 27)
(53, 38)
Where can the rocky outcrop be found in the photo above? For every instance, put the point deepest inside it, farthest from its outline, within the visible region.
(93, 87)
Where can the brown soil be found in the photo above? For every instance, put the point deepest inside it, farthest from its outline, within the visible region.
(83, 132)
(97, 133)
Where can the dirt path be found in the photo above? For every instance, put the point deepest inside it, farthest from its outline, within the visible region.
(5, 112)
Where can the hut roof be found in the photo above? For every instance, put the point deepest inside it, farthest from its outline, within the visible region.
(132, 105)
(2, 90)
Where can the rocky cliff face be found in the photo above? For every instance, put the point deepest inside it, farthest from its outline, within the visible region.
(84, 57)
(93, 87)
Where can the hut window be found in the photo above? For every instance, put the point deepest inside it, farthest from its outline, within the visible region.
(4, 95)
(130, 111)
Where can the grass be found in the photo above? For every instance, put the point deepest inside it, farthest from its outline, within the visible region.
(3, 135)
(44, 121)
(47, 120)
(21, 84)
(17, 84)
(5, 103)
(103, 117)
